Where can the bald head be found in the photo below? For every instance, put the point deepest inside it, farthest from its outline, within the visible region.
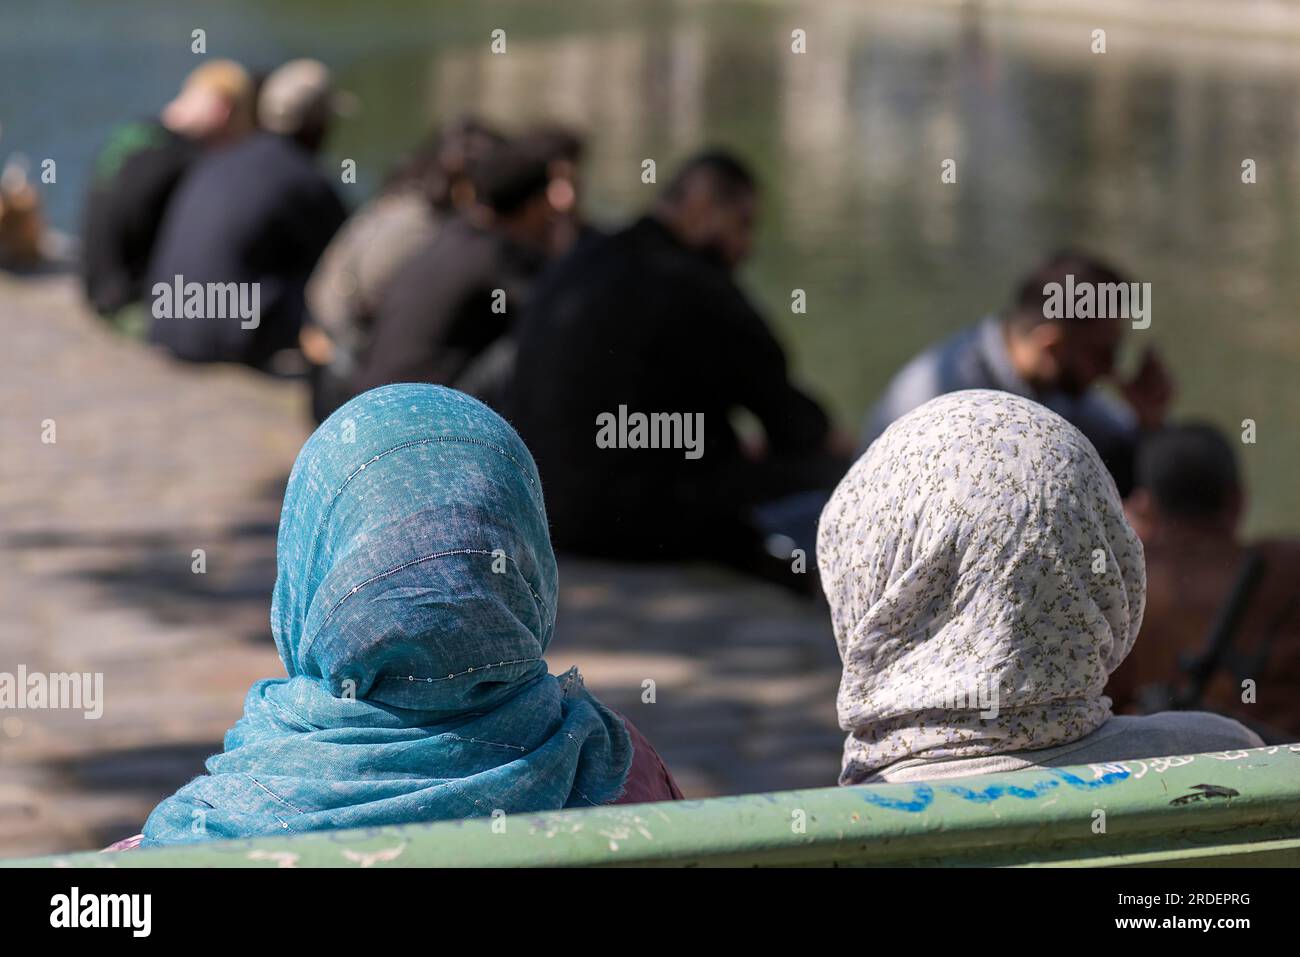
(215, 105)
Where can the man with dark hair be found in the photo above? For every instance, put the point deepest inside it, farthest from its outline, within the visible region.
(457, 296)
(1219, 612)
(1053, 359)
(255, 216)
(562, 150)
(711, 204)
(726, 175)
(1187, 473)
(650, 322)
(424, 191)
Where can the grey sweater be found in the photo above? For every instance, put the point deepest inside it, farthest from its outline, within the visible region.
(1122, 738)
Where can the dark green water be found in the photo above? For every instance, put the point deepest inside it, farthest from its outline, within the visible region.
(1136, 154)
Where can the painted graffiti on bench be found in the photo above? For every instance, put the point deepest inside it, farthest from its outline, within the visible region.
(1105, 775)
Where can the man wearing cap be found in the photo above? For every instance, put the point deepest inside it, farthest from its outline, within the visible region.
(258, 215)
(137, 171)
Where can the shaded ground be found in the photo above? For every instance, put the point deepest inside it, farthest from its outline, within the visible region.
(152, 461)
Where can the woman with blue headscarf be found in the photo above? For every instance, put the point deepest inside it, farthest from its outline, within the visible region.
(414, 599)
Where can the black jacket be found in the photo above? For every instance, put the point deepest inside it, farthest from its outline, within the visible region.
(258, 211)
(637, 319)
(441, 311)
(133, 180)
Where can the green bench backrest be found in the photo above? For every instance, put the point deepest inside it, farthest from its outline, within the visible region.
(1230, 808)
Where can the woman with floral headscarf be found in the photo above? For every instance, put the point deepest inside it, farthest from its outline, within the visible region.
(983, 584)
(414, 601)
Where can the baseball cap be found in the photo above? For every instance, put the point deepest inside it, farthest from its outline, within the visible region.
(298, 93)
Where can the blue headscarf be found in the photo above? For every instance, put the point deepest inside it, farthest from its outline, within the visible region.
(415, 596)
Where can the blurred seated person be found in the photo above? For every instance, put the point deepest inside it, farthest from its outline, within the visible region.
(647, 322)
(457, 295)
(25, 243)
(561, 149)
(1056, 362)
(344, 292)
(1220, 611)
(256, 215)
(135, 174)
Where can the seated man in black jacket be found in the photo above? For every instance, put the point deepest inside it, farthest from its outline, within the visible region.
(245, 228)
(135, 174)
(632, 358)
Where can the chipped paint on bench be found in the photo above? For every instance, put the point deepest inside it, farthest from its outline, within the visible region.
(1232, 807)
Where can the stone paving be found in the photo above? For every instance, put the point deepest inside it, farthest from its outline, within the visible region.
(151, 460)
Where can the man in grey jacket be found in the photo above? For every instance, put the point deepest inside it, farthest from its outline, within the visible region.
(1055, 361)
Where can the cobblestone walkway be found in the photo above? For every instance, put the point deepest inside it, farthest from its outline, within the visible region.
(152, 461)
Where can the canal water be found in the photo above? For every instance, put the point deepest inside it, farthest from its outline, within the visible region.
(1136, 153)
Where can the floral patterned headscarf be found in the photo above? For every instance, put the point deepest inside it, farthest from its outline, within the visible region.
(983, 584)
